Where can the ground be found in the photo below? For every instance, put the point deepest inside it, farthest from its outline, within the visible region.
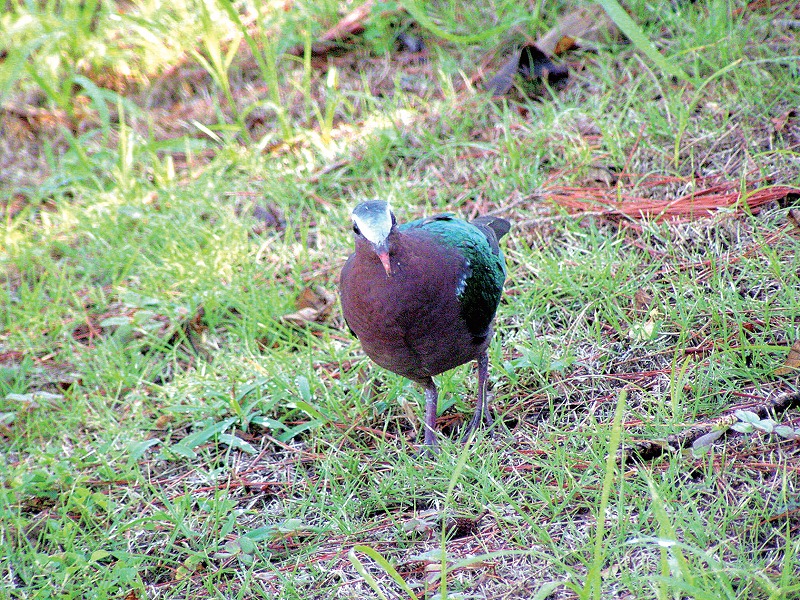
(183, 412)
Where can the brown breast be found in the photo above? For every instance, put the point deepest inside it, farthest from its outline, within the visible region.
(409, 323)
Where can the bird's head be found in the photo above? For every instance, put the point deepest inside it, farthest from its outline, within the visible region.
(374, 221)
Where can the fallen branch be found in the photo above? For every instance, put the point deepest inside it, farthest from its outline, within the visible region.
(650, 449)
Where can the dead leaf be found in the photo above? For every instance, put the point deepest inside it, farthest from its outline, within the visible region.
(792, 363)
(564, 44)
(197, 323)
(642, 332)
(642, 300)
(350, 24)
(409, 42)
(779, 123)
(151, 198)
(46, 373)
(313, 306)
(708, 439)
(588, 24)
(318, 298)
(601, 174)
(37, 118)
(269, 215)
(163, 421)
(532, 64)
(13, 206)
(646, 330)
(433, 573)
(535, 64)
(11, 356)
(794, 217)
(417, 525)
(301, 317)
(459, 527)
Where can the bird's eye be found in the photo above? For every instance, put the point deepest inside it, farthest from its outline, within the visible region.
(356, 230)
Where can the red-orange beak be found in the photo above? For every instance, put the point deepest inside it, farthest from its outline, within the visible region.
(387, 265)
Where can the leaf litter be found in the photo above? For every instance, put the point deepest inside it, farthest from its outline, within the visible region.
(277, 470)
(709, 195)
(314, 305)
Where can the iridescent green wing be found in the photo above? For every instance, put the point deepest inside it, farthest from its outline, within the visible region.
(485, 268)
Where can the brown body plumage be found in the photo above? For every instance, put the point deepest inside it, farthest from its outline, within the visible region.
(421, 297)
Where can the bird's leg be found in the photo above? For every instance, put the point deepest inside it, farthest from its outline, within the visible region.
(431, 403)
(482, 415)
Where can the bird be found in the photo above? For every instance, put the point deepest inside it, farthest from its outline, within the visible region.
(421, 297)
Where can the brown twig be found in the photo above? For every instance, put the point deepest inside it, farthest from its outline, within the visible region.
(351, 24)
(648, 450)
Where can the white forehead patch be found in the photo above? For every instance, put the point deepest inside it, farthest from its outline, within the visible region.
(374, 225)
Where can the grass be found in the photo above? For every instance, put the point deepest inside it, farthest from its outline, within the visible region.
(166, 433)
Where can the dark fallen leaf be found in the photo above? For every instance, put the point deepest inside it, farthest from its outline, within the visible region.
(459, 527)
(642, 300)
(410, 43)
(350, 24)
(791, 197)
(196, 323)
(601, 174)
(164, 420)
(10, 208)
(564, 44)
(780, 122)
(11, 356)
(269, 216)
(318, 298)
(794, 217)
(792, 363)
(151, 199)
(42, 374)
(535, 64)
(532, 64)
(313, 306)
(37, 118)
(433, 574)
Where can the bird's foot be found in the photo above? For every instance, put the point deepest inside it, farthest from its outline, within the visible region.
(480, 418)
(482, 415)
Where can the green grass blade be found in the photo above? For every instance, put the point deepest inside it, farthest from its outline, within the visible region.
(667, 532)
(99, 99)
(418, 12)
(635, 34)
(384, 564)
(593, 578)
